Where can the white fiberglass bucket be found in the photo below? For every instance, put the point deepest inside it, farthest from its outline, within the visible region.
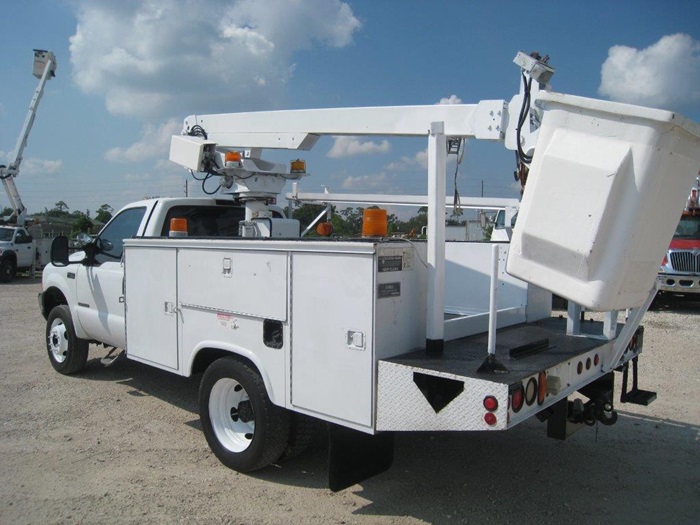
(606, 188)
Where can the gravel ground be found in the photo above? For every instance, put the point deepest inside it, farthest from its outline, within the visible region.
(123, 445)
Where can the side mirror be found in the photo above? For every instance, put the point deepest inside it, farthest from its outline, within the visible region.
(59, 251)
(106, 245)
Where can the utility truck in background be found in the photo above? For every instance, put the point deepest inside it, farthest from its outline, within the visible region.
(680, 270)
(18, 249)
(374, 335)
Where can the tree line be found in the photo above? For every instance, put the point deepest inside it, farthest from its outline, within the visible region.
(348, 222)
(82, 221)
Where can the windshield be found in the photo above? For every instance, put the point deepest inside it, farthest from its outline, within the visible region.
(688, 228)
(6, 234)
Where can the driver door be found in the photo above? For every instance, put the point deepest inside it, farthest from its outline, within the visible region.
(100, 289)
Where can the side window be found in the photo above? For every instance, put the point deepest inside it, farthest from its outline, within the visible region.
(123, 226)
(207, 221)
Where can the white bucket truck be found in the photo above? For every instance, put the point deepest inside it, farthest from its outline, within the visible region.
(375, 335)
(18, 249)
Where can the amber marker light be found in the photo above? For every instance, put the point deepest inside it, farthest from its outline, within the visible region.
(298, 166)
(233, 156)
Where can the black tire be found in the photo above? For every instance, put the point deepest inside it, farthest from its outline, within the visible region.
(8, 269)
(244, 429)
(303, 431)
(67, 353)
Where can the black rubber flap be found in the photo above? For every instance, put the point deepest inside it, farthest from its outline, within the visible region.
(354, 456)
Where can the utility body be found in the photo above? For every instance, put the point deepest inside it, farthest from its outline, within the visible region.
(375, 335)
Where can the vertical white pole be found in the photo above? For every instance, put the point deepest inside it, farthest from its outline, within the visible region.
(573, 319)
(493, 299)
(435, 333)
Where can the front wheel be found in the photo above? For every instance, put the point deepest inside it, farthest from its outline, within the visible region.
(67, 353)
(244, 429)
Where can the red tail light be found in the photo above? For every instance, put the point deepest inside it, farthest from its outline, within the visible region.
(517, 398)
(490, 403)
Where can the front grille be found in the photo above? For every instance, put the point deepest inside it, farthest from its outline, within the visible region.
(685, 261)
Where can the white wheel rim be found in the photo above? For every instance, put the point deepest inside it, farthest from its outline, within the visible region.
(231, 415)
(58, 341)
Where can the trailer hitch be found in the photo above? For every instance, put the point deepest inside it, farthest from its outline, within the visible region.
(591, 412)
(565, 417)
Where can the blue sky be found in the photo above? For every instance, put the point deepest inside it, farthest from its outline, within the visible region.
(130, 71)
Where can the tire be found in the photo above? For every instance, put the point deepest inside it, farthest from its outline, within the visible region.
(67, 353)
(244, 429)
(303, 431)
(8, 269)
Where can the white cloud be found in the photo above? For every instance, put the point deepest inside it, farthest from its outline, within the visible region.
(452, 99)
(665, 74)
(406, 163)
(380, 181)
(351, 146)
(154, 58)
(33, 166)
(154, 142)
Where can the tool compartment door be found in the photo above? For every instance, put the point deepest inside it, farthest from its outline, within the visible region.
(151, 306)
(332, 339)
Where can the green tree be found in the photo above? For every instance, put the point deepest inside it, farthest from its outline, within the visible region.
(104, 213)
(82, 225)
(61, 206)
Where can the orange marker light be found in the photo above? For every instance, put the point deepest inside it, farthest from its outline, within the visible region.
(233, 156)
(374, 223)
(178, 227)
(298, 166)
(324, 229)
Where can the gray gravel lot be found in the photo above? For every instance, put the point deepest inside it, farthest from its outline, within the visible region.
(123, 445)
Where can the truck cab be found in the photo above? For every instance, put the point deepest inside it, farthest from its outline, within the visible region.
(93, 283)
(680, 270)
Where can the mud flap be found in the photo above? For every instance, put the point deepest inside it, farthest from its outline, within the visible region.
(354, 456)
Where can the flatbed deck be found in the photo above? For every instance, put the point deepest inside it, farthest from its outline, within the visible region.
(463, 357)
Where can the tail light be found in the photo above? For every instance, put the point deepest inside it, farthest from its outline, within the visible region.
(517, 397)
(531, 391)
(490, 403)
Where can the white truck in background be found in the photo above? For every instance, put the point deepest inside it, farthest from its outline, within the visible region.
(18, 249)
(679, 274)
(375, 335)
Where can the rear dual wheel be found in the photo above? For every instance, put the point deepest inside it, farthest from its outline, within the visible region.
(244, 429)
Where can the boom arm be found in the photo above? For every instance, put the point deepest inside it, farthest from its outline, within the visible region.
(44, 69)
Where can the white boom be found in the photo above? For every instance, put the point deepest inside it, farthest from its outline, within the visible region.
(44, 69)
